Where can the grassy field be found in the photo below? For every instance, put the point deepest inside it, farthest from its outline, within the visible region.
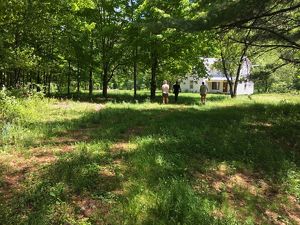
(231, 161)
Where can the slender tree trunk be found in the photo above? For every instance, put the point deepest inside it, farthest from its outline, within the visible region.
(238, 72)
(17, 78)
(49, 82)
(14, 81)
(69, 76)
(38, 77)
(231, 89)
(38, 80)
(228, 77)
(105, 81)
(91, 69)
(23, 79)
(1, 79)
(237, 79)
(91, 81)
(45, 82)
(154, 68)
(10, 79)
(78, 78)
(135, 73)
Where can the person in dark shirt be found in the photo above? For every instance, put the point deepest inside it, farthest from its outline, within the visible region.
(176, 90)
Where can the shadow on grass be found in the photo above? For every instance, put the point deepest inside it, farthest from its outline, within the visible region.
(264, 138)
(183, 99)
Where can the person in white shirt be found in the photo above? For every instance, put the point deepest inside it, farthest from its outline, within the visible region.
(203, 92)
(165, 92)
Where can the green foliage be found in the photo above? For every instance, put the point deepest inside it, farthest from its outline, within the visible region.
(293, 182)
(8, 107)
(272, 74)
(16, 112)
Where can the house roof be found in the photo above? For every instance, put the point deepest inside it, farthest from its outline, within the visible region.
(217, 79)
(216, 74)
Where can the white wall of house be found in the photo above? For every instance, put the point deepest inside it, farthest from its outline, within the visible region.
(245, 88)
(191, 84)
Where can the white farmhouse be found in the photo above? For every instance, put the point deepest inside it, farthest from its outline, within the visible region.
(216, 80)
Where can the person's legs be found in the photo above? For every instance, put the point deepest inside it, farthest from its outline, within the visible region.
(176, 97)
(165, 98)
(204, 99)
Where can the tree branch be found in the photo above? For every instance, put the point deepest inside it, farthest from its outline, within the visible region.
(267, 14)
(265, 45)
(281, 36)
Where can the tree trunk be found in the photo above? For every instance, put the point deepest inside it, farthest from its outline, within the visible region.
(238, 72)
(17, 78)
(38, 80)
(231, 89)
(45, 78)
(69, 77)
(1, 79)
(266, 86)
(23, 79)
(38, 77)
(49, 82)
(14, 81)
(135, 79)
(237, 78)
(91, 69)
(78, 79)
(154, 67)
(45, 81)
(91, 82)
(135, 73)
(228, 77)
(105, 81)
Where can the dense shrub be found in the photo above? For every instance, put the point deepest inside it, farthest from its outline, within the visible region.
(18, 108)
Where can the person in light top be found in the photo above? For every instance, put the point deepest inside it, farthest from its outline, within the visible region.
(203, 92)
(165, 92)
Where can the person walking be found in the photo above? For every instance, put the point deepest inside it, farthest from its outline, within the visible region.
(165, 92)
(176, 90)
(203, 92)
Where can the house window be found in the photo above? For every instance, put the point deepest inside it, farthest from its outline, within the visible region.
(191, 84)
(215, 85)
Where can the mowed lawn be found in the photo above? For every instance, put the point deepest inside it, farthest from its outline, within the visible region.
(231, 161)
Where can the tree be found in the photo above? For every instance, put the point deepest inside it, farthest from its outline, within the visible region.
(273, 24)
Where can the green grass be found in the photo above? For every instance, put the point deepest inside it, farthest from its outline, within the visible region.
(232, 161)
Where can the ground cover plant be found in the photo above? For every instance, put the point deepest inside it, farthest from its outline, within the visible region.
(90, 161)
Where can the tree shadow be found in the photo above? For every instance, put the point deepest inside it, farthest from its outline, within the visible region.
(262, 137)
(250, 133)
(119, 97)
